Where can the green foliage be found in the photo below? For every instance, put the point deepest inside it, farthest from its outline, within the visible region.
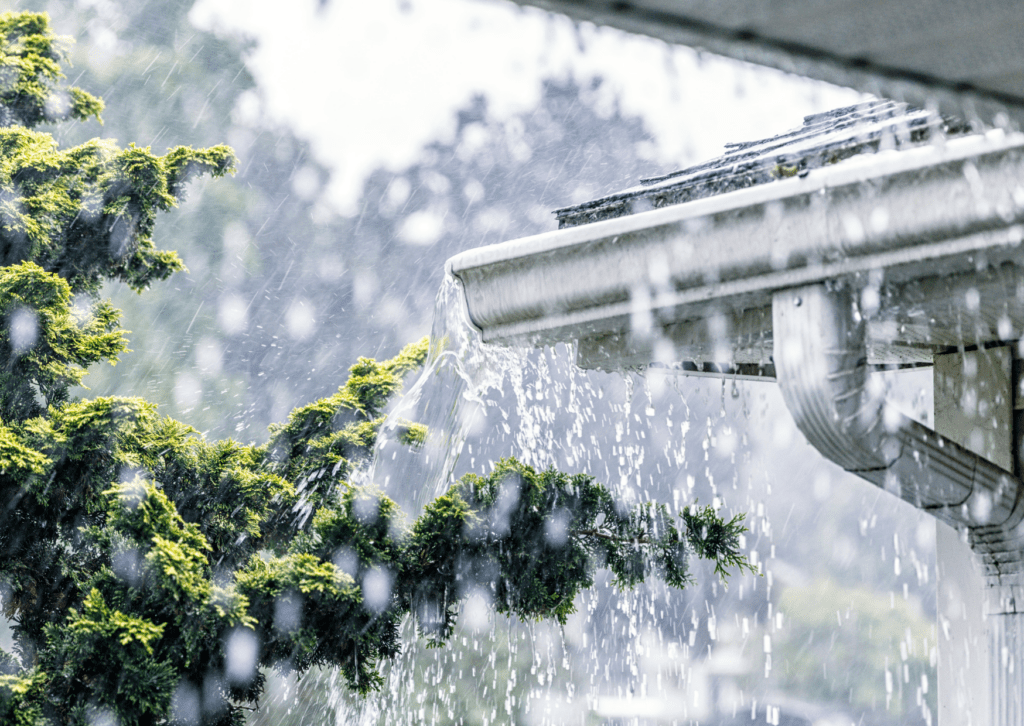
(47, 346)
(715, 539)
(31, 56)
(79, 658)
(148, 571)
(326, 622)
(98, 620)
(128, 573)
(20, 699)
(371, 384)
(333, 433)
(533, 539)
(875, 635)
(87, 213)
(412, 434)
(18, 460)
(176, 555)
(9, 665)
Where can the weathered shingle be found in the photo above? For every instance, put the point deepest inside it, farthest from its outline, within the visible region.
(823, 139)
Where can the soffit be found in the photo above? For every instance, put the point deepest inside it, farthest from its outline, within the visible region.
(963, 57)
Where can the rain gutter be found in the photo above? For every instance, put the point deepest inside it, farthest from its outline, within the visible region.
(779, 271)
(927, 209)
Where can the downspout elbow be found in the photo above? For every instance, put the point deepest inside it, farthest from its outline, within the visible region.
(820, 357)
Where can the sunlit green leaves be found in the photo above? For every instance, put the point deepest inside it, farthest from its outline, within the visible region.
(21, 698)
(177, 551)
(320, 441)
(47, 347)
(87, 213)
(30, 58)
(18, 460)
(96, 619)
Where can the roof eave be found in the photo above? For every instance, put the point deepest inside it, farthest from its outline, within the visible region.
(908, 216)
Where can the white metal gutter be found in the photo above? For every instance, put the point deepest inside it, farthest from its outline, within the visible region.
(932, 210)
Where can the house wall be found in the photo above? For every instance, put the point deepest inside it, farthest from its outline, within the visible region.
(973, 407)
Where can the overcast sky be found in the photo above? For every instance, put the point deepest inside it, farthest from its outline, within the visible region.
(389, 75)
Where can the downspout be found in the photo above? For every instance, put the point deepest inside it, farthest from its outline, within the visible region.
(820, 360)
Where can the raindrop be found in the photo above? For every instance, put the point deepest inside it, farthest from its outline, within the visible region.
(972, 299)
(186, 704)
(422, 228)
(24, 329)
(870, 300)
(288, 612)
(1005, 328)
(209, 356)
(188, 391)
(306, 182)
(377, 589)
(879, 220)
(346, 560)
(126, 564)
(981, 507)
(300, 319)
(476, 611)
(102, 717)
(232, 314)
(236, 239)
(241, 652)
(556, 528)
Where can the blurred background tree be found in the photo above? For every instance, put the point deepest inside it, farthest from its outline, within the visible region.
(283, 294)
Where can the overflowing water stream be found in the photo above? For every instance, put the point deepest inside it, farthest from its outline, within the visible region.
(835, 630)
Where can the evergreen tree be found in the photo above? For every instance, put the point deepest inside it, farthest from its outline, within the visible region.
(150, 572)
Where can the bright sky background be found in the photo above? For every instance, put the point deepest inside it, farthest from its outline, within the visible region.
(388, 76)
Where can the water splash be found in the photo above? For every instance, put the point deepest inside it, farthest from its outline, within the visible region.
(652, 655)
(448, 397)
